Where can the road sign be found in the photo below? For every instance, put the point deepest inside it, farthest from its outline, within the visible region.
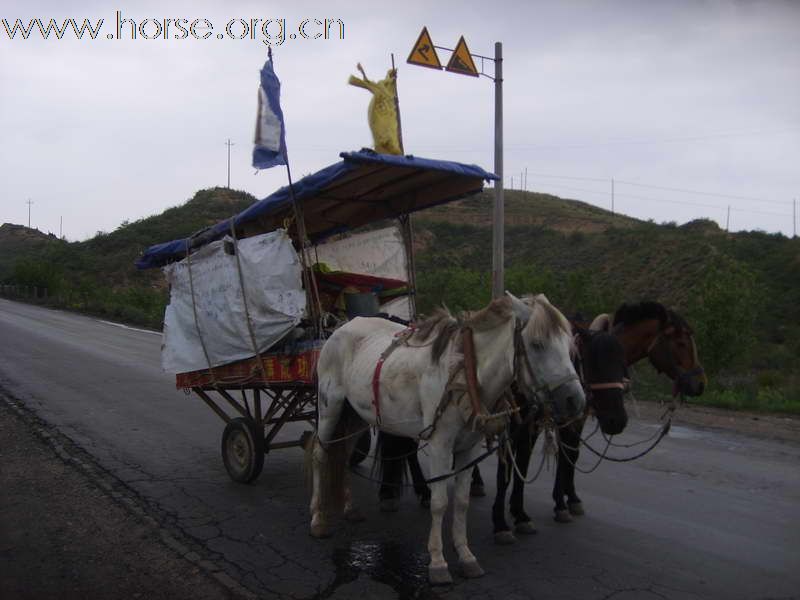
(424, 53)
(461, 61)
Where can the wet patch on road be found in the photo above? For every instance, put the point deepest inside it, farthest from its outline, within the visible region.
(398, 566)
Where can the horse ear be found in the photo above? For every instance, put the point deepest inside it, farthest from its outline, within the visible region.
(521, 310)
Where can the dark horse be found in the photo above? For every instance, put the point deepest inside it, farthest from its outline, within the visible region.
(600, 361)
(641, 330)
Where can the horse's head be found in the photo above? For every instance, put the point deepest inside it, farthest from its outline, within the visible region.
(674, 353)
(603, 365)
(544, 370)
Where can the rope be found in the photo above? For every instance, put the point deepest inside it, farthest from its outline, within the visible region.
(574, 464)
(513, 460)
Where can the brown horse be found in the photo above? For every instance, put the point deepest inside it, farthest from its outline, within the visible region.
(646, 329)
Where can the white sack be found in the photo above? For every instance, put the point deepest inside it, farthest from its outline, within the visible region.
(276, 301)
(381, 253)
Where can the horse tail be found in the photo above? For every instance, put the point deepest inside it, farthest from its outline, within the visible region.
(332, 459)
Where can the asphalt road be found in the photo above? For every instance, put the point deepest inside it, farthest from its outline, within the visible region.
(708, 514)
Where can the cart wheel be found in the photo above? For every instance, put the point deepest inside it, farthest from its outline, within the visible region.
(361, 451)
(242, 450)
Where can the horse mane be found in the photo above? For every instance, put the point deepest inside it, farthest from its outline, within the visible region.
(546, 321)
(442, 326)
(630, 314)
(678, 322)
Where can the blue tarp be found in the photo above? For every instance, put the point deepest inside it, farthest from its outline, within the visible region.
(363, 187)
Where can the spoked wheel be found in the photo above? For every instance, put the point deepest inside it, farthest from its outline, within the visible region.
(242, 450)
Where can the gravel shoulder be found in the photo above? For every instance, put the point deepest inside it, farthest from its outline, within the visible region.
(67, 533)
(785, 428)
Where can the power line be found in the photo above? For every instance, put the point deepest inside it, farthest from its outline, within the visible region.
(682, 202)
(659, 187)
(671, 189)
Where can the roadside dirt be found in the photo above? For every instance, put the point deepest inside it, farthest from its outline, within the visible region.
(772, 426)
(63, 536)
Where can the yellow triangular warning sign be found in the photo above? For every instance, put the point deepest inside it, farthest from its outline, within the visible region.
(461, 60)
(423, 53)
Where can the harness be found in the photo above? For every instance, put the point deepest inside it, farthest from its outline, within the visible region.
(588, 388)
(474, 412)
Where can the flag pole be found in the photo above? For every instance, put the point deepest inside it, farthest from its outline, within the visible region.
(314, 304)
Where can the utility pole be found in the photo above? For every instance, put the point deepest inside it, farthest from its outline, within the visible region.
(612, 195)
(29, 202)
(229, 144)
(794, 218)
(728, 219)
(526, 179)
(61, 228)
(499, 217)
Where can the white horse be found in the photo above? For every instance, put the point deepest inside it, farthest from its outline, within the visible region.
(419, 392)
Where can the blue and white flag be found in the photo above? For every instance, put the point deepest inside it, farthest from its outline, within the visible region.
(270, 139)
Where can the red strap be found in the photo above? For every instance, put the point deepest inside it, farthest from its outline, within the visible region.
(376, 388)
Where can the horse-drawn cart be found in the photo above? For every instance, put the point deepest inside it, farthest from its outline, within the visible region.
(270, 379)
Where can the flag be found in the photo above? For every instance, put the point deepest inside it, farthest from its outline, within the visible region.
(270, 138)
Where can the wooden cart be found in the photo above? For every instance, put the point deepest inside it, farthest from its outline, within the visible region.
(265, 392)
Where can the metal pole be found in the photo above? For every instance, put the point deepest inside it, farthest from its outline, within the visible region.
(728, 219)
(29, 202)
(498, 274)
(61, 227)
(229, 144)
(794, 218)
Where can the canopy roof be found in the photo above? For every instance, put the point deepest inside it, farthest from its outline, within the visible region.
(363, 187)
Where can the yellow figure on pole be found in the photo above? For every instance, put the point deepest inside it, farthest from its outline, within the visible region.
(383, 112)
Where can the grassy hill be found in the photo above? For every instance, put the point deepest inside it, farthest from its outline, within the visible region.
(740, 291)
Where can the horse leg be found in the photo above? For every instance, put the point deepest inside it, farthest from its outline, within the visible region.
(390, 448)
(440, 461)
(574, 503)
(523, 448)
(565, 472)
(502, 532)
(421, 488)
(318, 459)
(477, 489)
(467, 562)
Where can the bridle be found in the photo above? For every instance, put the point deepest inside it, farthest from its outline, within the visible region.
(623, 384)
(679, 377)
(542, 392)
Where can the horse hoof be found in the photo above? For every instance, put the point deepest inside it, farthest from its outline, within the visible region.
(524, 528)
(562, 516)
(476, 490)
(576, 509)
(471, 569)
(320, 531)
(504, 538)
(439, 576)
(389, 505)
(354, 515)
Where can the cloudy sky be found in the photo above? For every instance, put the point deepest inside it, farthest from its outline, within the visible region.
(689, 106)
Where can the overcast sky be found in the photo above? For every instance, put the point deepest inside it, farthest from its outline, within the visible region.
(699, 96)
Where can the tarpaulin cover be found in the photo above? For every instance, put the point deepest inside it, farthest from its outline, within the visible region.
(362, 188)
(271, 273)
